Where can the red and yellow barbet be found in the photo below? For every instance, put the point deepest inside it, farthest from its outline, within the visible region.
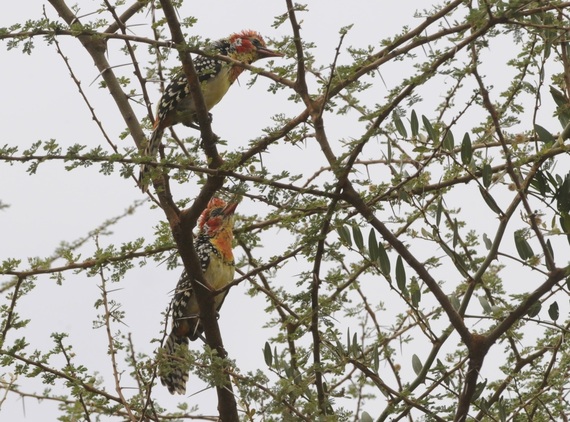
(215, 76)
(214, 249)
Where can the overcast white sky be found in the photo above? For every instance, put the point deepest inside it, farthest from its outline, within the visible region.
(41, 103)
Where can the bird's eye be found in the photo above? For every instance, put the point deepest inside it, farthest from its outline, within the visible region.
(217, 211)
(256, 43)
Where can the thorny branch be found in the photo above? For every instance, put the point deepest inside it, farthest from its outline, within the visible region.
(182, 222)
(108, 316)
(344, 198)
(97, 49)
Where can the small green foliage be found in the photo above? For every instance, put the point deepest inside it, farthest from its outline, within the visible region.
(480, 387)
(448, 141)
(487, 241)
(373, 249)
(432, 134)
(344, 235)
(534, 310)
(554, 311)
(401, 275)
(490, 201)
(358, 239)
(267, 354)
(415, 292)
(485, 305)
(544, 135)
(399, 125)
(383, 260)
(416, 364)
(414, 123)
(487, 175)
(466, 150)
(523, 247)
(455, 302)
(563, 109)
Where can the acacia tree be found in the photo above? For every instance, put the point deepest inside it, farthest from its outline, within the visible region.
(420, 271)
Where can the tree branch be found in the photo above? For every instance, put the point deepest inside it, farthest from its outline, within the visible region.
(182, 223)
(97, 48)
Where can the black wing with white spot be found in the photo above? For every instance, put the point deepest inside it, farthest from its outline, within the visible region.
(184, 293)
(178, 89)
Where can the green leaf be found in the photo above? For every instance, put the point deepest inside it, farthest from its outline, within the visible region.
(389, 150)
(438, 211)
(375, 359)
(288, 371)
(403, 195)
(565, 224)
(562, 110)
(547, 48)
(503, 412)
(558, 97)
(448, 141)
(355, 350)
(383, 260)
(358, 239)
(267, 354)
(534, 309)
(544, 135)
(457, 260)
(365, 417)
(400, 274)
(490, 201)
(414, 123)
(455, 228)
(399, 125)
(479, 388)
(563, 195)
(339, 348)
(455, 302)
(429, 129)
(487, 175)
(540, 183)
(415, 292)
(466, 150)
(554, 311)
(550, 249)
(373, 246)
(487, 241)
(523, 247)
(344, 235)
(416, 364)
(485, 304)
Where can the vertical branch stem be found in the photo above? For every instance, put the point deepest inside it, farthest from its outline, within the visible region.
(111, 344)
(316, 281)
(182, 223)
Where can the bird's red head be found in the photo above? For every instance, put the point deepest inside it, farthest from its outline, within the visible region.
(250, 46)
(218, 216)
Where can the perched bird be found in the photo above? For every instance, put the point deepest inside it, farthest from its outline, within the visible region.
(216, 77)
(214, 248)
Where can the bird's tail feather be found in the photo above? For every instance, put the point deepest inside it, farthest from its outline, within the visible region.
(176, 365)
